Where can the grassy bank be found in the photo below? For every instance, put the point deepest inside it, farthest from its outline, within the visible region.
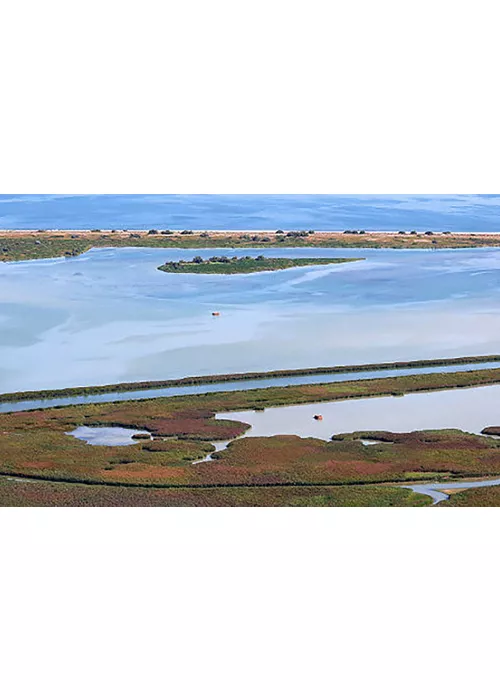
(484, 497)
(243, 376)
(222, 265)
(39, 247)
(49, 494)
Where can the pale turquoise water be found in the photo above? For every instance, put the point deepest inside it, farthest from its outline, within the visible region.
(113, 436)
(470, 410)
(110, 316)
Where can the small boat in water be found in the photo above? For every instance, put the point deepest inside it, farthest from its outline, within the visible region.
(215, 313)
(318, 417)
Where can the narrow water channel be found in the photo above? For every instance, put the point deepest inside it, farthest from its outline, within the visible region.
(435, 490)
(243, 385)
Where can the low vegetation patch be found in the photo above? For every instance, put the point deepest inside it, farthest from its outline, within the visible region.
(40, 494)
(484, 497)
(222, 265)
(399, 457)
(40, 246)
(34, 444)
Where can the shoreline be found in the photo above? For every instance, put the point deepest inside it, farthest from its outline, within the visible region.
(18, 245)
(235, 232)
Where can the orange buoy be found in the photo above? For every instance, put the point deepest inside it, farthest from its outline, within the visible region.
(318, 417)
(215, 313)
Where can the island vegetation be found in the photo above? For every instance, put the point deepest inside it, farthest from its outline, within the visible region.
(224, 265)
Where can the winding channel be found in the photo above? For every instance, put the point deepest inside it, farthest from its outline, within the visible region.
(436, 490)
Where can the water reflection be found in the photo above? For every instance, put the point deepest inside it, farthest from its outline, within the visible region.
(469, 410)
(111, 436)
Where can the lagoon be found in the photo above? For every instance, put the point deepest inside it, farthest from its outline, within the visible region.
(110, 316)
(470, 410)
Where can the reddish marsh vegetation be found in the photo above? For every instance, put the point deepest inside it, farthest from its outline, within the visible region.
(35, 444)
(30, 493)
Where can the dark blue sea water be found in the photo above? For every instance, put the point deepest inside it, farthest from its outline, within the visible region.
(452, 212)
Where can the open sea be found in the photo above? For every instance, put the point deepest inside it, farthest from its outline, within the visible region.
(451, 212)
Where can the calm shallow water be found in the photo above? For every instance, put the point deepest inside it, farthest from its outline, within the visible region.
(113, 436)
(110, 316)
(469, 410)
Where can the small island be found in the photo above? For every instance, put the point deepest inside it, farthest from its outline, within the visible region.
(223, 265)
